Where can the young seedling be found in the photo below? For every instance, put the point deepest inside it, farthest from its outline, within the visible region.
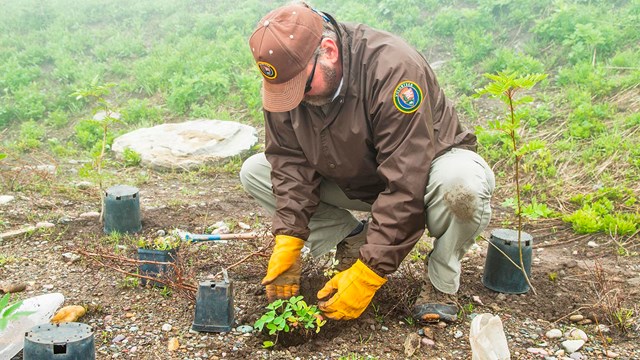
(288, 316)
(98, 93)
(504, 87)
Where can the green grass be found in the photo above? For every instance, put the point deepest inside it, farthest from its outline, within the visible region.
(180, 60)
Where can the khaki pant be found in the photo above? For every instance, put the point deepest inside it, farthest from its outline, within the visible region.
(457, 209)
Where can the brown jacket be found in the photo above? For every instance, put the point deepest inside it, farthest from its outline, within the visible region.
(376, 141)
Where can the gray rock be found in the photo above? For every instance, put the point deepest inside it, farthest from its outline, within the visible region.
(572, 346)
(245, 329)
(5, 199)
(554, 334)
(70, 257)
(44, 225)
(189, 144)
(411, 344)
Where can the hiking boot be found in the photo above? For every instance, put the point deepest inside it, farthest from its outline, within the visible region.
(348, 250)
(433, 305)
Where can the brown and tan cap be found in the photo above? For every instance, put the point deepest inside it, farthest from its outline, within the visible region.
(283, 45)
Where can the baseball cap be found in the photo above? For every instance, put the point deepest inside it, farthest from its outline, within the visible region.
(282, 45)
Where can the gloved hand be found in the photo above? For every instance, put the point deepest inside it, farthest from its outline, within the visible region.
(352, 291)
(283, 274)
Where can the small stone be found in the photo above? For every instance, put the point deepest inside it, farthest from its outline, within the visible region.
(576, 334)
(458, 334)
(47, 287)
(442, 324)
(585, 322)
(118, 338)
(167, 327)
(553, 334)
(90, 214)
(428, 332)
(592, 244)
(602, 328)
(129, 315)
(611, 354)
(576, 356)
(572, 346)
(5, 199)
(70, 257)
(428, 342)
(501, 297)
(537, 351)
(245, 329)
(45, 225)
(173, 344)
(84, 185)
(576, 318)
(384, 328)
(134, 329)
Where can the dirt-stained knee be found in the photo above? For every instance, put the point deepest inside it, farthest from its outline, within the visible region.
(461, 201)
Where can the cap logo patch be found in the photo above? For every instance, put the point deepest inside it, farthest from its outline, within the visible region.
(267, 70)
(407, 97)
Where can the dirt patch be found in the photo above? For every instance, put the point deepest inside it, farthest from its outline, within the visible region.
(128, 320)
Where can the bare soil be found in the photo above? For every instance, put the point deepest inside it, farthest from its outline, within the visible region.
(568, 276)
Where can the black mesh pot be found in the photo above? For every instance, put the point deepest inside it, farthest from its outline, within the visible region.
(499, 273)
(122, 210)
(214, 307)
(68, 341)
(158, 271)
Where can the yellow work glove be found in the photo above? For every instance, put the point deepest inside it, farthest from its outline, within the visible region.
(352, 292)
(283, 274)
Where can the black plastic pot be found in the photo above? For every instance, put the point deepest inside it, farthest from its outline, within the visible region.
(68, 341)
(499, 273)
(158, 271)
(122, 210)
(214, 307)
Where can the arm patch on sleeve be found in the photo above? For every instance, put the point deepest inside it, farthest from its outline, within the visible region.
(407, 96)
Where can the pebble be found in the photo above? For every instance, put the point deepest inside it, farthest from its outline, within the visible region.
(5, 199)
(576, 334)
(245, 329)
(611, 354)
(167, 327)
(90, 214)
(47, 287)
(537, 351)
(553, 334)
(428, 342)
(592, 244)
(45, 225)
(576, 318)
(458, 334)
(84, 185)
(384, 328)
(134, 329)
(576, 356)
(572, 346)
(502, 297)
(70, 257)
(118, 338)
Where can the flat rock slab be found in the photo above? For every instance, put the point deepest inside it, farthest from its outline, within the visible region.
(189, 144)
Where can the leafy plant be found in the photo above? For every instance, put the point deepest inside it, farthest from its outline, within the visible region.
(160, 243)
(131, 157)
(9, 312)
(98, 93)
(504, 87)
(288, 316)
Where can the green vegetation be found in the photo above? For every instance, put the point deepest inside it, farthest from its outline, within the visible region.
(293, 315)
(9, 312)
(159, 243)
(178, 60)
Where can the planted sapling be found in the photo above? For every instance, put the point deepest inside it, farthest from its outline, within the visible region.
(294, 317)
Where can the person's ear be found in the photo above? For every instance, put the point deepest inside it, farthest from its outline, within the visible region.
(331, 51)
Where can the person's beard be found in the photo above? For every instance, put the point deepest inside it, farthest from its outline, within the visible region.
(332, 81)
